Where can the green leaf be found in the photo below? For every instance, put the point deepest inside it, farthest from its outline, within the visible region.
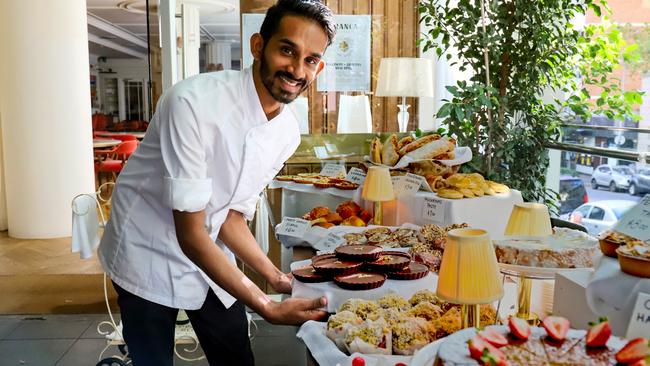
(444, 111)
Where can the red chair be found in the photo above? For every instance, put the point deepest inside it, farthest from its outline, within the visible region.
(123, 137)
(116, 159)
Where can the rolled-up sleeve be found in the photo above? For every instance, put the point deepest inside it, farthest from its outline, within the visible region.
(186, 184)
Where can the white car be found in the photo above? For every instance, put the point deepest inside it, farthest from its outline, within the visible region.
(612, 177)
(599, 216)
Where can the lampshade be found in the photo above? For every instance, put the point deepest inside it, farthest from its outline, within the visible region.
(405, 77)
(378, 186)
(529, 219)
(354, 114)
(469, 273)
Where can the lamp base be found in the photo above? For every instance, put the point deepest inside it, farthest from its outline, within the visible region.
(378, 213)
(403, 116)
(524, 288)
(470, 316)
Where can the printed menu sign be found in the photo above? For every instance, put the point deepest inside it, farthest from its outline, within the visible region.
(433, 210)
(293, 226)
(636, 221)
(640, 322)
(356, 175)
(333, 170)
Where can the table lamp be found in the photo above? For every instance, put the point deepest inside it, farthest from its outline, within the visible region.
(377, 188)
(469, 273)
(405, 77)
(527, 219)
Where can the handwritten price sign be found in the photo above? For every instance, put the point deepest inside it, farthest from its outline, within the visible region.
(356, 175)
(329, 243)
(333, 170)
(409, 184)
(293, 226)
(434, 210)
(636, 222)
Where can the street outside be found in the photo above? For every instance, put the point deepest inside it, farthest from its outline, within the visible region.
(603, 193)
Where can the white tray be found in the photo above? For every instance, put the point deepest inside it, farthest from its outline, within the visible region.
(538, 273)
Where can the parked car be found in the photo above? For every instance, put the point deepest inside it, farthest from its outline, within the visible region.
(572, 195)
(614, 178)
(599, 216)
(640, 182)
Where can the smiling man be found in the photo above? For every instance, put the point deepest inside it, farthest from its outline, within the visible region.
(181, 203)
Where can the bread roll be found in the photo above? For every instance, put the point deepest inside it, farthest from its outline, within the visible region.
(389, 154)
(418, 143)
(404, 141)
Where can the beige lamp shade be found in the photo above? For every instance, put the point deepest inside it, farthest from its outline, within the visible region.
(469, 273)
(405, 77)
(378, 186)
(529, 219)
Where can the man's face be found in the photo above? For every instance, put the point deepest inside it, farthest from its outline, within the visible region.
(291, 58)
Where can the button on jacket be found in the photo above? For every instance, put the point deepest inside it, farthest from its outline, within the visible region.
(209, 147)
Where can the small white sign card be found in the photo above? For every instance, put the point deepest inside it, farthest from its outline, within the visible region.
(636, 221)
(333, 170)
(433, 209)
(409, 184)
(293, 226)
(356, 175)
(640, 319)
(329, 243)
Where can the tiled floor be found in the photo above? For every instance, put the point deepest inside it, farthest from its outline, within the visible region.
(73, 340)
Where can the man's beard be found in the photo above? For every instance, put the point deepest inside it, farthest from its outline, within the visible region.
(278, 93)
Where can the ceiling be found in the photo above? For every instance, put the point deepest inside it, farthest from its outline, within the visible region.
(118, 28)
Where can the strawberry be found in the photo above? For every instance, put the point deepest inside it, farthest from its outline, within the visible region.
(556, 326)
(493, 359)
(519, 328)
(478, 346)
(493, 337)
(358, 361)
(599, 333)
(635, 350)
(639, 363)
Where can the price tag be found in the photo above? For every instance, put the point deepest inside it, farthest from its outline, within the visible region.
(433, 209)
(333, 170)
(636, 221)
(293, 226)
(321, 152)
(640, 322)
(356, 175)
(405, 185)
(329, 243)
(423, 182)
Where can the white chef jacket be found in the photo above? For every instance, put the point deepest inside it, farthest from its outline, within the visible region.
(209, 146)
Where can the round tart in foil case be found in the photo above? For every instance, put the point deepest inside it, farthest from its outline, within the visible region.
(346, 186)
(309, 274)
(360, 281)
(413, 271)
(360, 253)
(333, 266)
(390, 262)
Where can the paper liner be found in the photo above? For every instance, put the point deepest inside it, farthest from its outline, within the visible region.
(360, 253)
(309, 275)
(361, 346)
(348, 267)
(403, 261)
(376, 280)
(414, 271)
(337, 335)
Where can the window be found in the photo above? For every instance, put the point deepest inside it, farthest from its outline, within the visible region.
(597, 213)
(604, 169)
(584, 210)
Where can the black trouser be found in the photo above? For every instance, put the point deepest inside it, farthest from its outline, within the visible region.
(148, 330)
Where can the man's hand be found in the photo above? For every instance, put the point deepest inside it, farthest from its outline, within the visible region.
(282, 283)
(295, 311)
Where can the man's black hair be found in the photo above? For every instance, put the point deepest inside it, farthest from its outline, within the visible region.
(310, 9)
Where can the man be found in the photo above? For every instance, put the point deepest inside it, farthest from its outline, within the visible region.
(215, 142)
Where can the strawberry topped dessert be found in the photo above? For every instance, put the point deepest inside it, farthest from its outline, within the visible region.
(553, 344)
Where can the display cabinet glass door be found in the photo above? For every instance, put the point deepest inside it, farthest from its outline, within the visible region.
(134, 97)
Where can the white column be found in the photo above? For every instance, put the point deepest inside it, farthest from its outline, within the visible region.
(45, 113)
(121, 99)
(167, 19)
(191, 39)
(219, 53)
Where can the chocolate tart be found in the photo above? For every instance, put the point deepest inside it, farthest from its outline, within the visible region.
(309, 275)
(360, 281)
(609, 247)
(413, 271)
(390, 262)
(633, 264)
(333, 266)
(359, 253)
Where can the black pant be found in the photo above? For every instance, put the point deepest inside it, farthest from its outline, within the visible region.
(148, 330)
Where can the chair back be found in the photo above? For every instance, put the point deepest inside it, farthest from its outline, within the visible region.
(124, 150)
(124, 137)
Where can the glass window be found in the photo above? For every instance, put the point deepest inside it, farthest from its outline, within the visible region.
(584, 210)
(597, 213)
(619, 211)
